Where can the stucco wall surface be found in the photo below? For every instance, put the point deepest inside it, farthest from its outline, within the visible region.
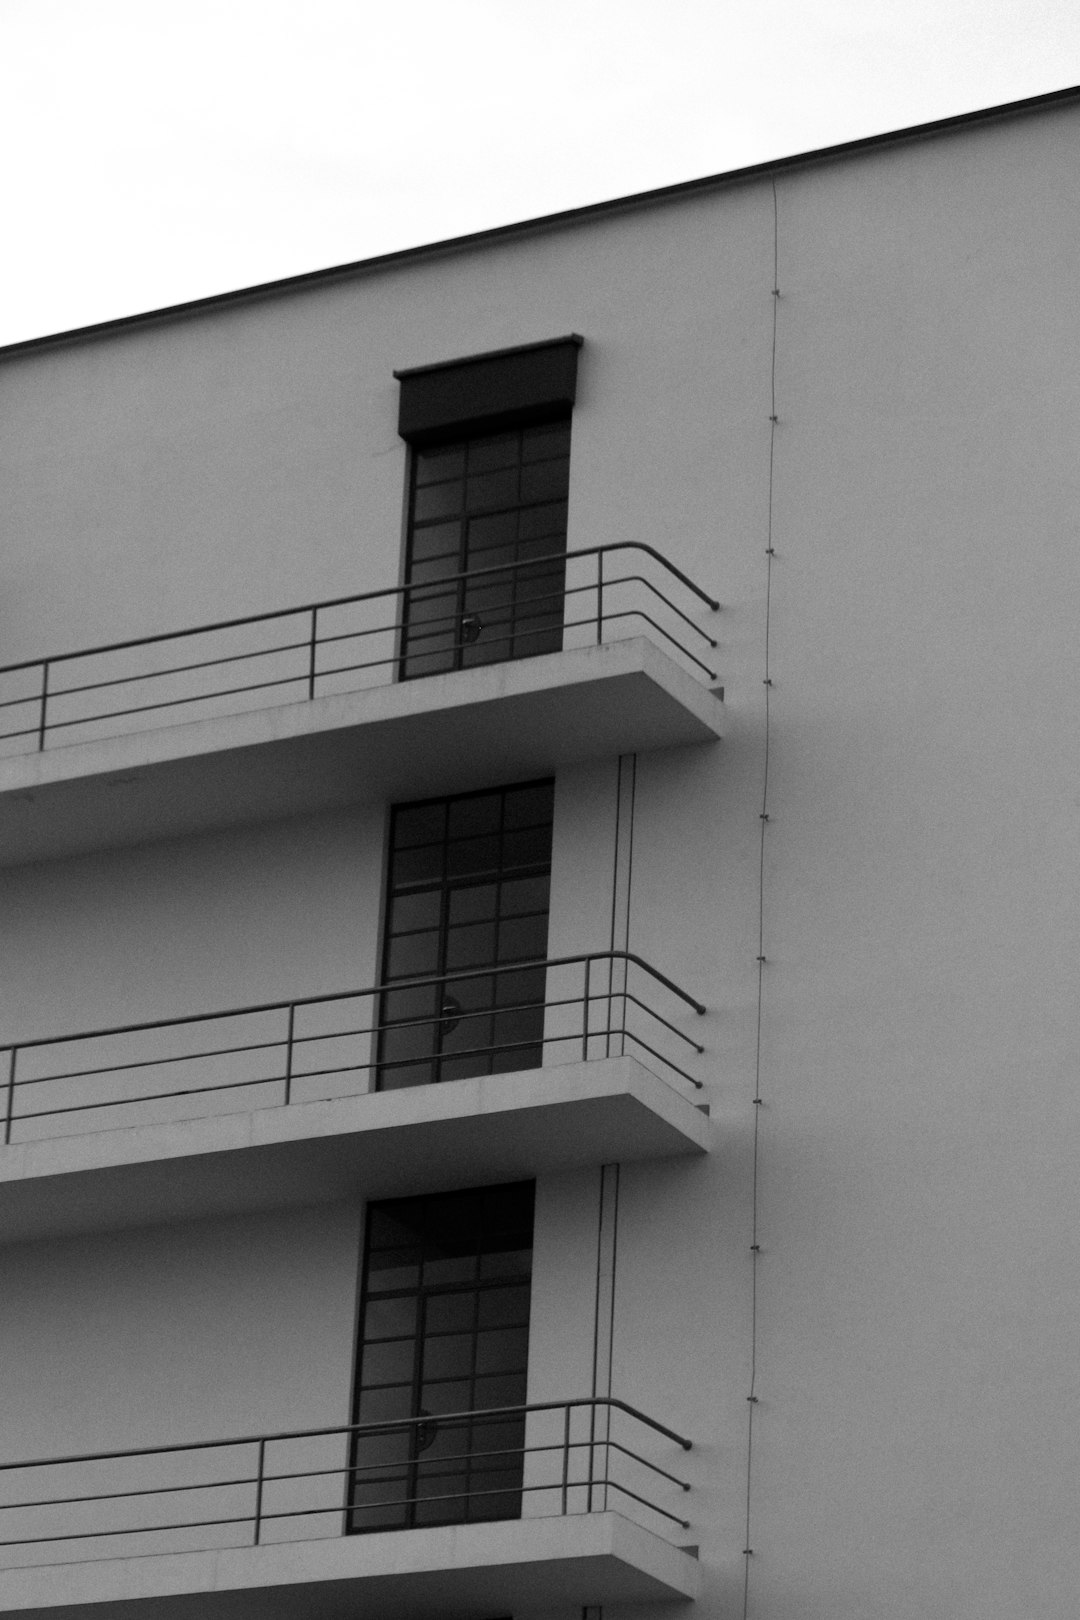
(916, 1311)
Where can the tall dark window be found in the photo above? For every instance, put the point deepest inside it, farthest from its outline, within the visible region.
(444, 1329)
(467, 892)
(492, 509)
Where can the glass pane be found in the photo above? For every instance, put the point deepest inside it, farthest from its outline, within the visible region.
(418, 865)
(386, 1229)
(505, 1389)
(374, 1452)
(454, 1395)
(473, 814)
(389, 1362)
(518, 1030)
(377, 1405)
(494, 530)
(504, 1307)
(472, 946)
(386, 1318)
(527, 806)
(428, 573)
(524, 894)
(473, 904)
(502, 1350)
(449, 1356)
(520, 938)
(490, 489)
(444, 1312)
(431, 466)
(500, 450)
(437, 500)
(422, 1002)
(516, 989)
(413, 1074)
(407, 1043)
(435, 540)
(411, 955)
(553, 439)
(419, 824)
(545, 480)
(540, 521)
(469, 855)
(408, 911)
(429, 663)
(466, 1067)
(529, 847)
(506, 1262)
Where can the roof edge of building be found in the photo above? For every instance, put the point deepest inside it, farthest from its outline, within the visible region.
(546, 222)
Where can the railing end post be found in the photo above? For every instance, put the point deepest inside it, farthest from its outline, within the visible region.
(9, 1110)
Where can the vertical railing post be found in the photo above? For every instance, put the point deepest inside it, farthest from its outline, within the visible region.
(592, 1447)
(9, 1111)
(599, 597)
(44, 704)
(565, 1456)
(585, 1012)
(259, 1492)
(289, 1053)
(314, 645)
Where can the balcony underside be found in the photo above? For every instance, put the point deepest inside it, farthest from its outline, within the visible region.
(473, 1571)
(500, 722)
(378, 1145)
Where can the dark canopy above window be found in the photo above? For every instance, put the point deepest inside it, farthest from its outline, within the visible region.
(503, 388)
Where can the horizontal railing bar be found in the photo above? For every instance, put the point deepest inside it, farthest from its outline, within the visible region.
(263, 686)
(182, 669)
(614, 1445)
(135, 1530)
(573, 1036)
(302, 1040)
(158, 1096)
(362, 596)
(659, 1056)
(351, 1469)
(143, 1490)
(628, 995)
(305, 1040)
(422, 980)
(296, 646)
(175, 703)
(156, 1063)
(382, 1426)
(642, 579)
(639, 613)
(613, 1484)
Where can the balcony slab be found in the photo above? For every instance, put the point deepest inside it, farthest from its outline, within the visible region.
(501, 722)
(471, 1571)
(376, 1145)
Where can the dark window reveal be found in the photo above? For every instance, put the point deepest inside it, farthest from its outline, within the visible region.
(467, 891)
(492, 509)
(444, 1329)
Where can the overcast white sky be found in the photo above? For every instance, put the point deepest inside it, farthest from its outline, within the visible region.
(159, 151)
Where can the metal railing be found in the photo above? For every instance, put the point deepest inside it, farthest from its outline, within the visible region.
(575, 1008)
(548, 1459)
(343, 644)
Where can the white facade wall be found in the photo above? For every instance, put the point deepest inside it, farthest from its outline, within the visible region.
(917, 1298)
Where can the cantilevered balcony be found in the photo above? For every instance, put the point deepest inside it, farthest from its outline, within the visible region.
(557, 1064)
(304, 709)
(563, 1503)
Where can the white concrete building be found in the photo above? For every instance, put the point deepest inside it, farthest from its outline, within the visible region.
(681, 595)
